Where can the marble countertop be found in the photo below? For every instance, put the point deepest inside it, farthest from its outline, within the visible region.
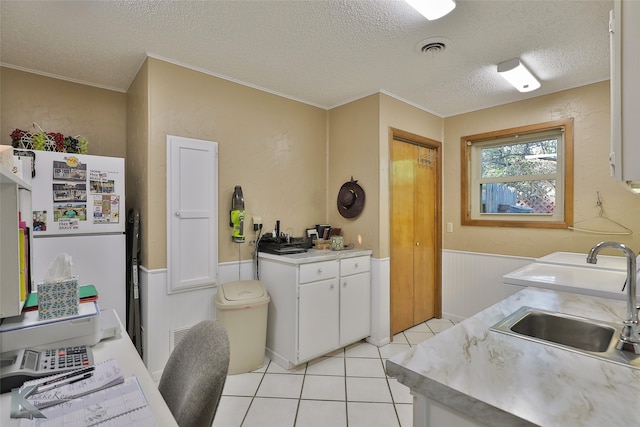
(503, 380)
(315, 255)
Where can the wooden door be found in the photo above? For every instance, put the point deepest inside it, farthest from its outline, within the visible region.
(402, 235)
(424, 227)
(415, 230)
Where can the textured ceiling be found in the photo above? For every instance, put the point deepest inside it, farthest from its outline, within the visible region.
(322, 52)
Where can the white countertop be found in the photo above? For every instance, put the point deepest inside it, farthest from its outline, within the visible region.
(122, 349)
(564, 278)
(605, 262)
(503, 380)
(315, 255)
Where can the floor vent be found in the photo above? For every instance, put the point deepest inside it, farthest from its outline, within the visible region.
(177, 335)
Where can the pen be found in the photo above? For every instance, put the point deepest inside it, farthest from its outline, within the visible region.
(68, 375)
(68, 381)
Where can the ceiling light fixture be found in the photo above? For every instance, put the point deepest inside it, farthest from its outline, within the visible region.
(518, 75)
(433, 9)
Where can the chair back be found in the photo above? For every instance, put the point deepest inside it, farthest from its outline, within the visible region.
(194, 376)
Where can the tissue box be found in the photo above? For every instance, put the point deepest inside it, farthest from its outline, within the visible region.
(58, 299)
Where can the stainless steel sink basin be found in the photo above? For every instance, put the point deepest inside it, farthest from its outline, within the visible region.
(585, 336)
(565, 330)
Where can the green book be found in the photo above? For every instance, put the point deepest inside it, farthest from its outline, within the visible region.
(87, 293)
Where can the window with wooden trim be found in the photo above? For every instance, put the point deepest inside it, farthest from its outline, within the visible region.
(519, 177)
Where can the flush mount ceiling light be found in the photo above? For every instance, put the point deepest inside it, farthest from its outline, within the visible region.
(432, 9)
(518, 75)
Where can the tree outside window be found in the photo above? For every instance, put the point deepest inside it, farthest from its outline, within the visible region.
(520, 177)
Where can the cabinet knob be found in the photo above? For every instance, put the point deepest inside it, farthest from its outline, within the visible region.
(345, 284)
(178, 213)
(333, 286)
(319, 271)
(356, 266)
(417, 243)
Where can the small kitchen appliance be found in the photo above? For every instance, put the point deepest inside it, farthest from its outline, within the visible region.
(237, 215)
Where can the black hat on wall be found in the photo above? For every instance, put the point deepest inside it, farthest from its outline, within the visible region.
(350, 199)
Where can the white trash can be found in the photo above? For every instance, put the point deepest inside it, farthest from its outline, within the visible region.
(241, 307)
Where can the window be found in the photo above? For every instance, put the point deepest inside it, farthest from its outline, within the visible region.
(520, 177)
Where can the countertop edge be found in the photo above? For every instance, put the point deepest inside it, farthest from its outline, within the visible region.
(315, 255)
(460, 402)
(470, 368)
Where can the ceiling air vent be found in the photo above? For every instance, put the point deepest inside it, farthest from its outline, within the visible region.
(432, 45)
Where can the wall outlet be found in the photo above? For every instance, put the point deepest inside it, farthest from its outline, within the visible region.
(257, 223)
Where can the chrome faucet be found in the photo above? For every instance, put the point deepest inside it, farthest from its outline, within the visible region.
(630, 336)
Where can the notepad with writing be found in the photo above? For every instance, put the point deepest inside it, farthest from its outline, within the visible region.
(121, 405)
(106, 374)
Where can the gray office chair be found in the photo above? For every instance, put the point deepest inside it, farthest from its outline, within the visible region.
(193, 379)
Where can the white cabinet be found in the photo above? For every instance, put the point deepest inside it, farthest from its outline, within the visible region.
(355, 299)
(319, 303)
(625, 93)
(15, 196)
(318, 318)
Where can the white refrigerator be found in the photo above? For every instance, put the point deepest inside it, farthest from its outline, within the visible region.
(78, 208)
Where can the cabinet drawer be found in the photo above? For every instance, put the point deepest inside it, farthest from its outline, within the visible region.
(318, 271)
(355, 265)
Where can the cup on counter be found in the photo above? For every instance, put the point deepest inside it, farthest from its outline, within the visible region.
(337, 243)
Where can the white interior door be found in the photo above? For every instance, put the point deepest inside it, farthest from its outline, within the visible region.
(192, 207)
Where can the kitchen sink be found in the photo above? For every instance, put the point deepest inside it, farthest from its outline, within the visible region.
(585, 336)
(565, 330)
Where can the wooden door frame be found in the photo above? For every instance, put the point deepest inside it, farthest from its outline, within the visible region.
(411, 138)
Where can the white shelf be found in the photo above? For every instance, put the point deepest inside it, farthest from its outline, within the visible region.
(14, 193)
(7, 177)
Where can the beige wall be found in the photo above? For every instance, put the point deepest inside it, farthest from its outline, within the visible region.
(359, 147)
(60, 106)
(291, 158)
(137, 154)
(353, 151)
(399, 115)
(590, 108)
(275, 148)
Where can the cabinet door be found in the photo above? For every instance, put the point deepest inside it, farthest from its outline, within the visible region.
(318, 318)
(355, 311)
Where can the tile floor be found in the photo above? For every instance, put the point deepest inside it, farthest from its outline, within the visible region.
(348, 388)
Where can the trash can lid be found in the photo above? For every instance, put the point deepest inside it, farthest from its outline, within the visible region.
(242, 290)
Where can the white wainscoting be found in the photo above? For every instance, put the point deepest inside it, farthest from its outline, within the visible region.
(163, 315)
(472, 281)
(380, 302)
(230, 272)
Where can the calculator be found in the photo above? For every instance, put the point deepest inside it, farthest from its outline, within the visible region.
(27, 364)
